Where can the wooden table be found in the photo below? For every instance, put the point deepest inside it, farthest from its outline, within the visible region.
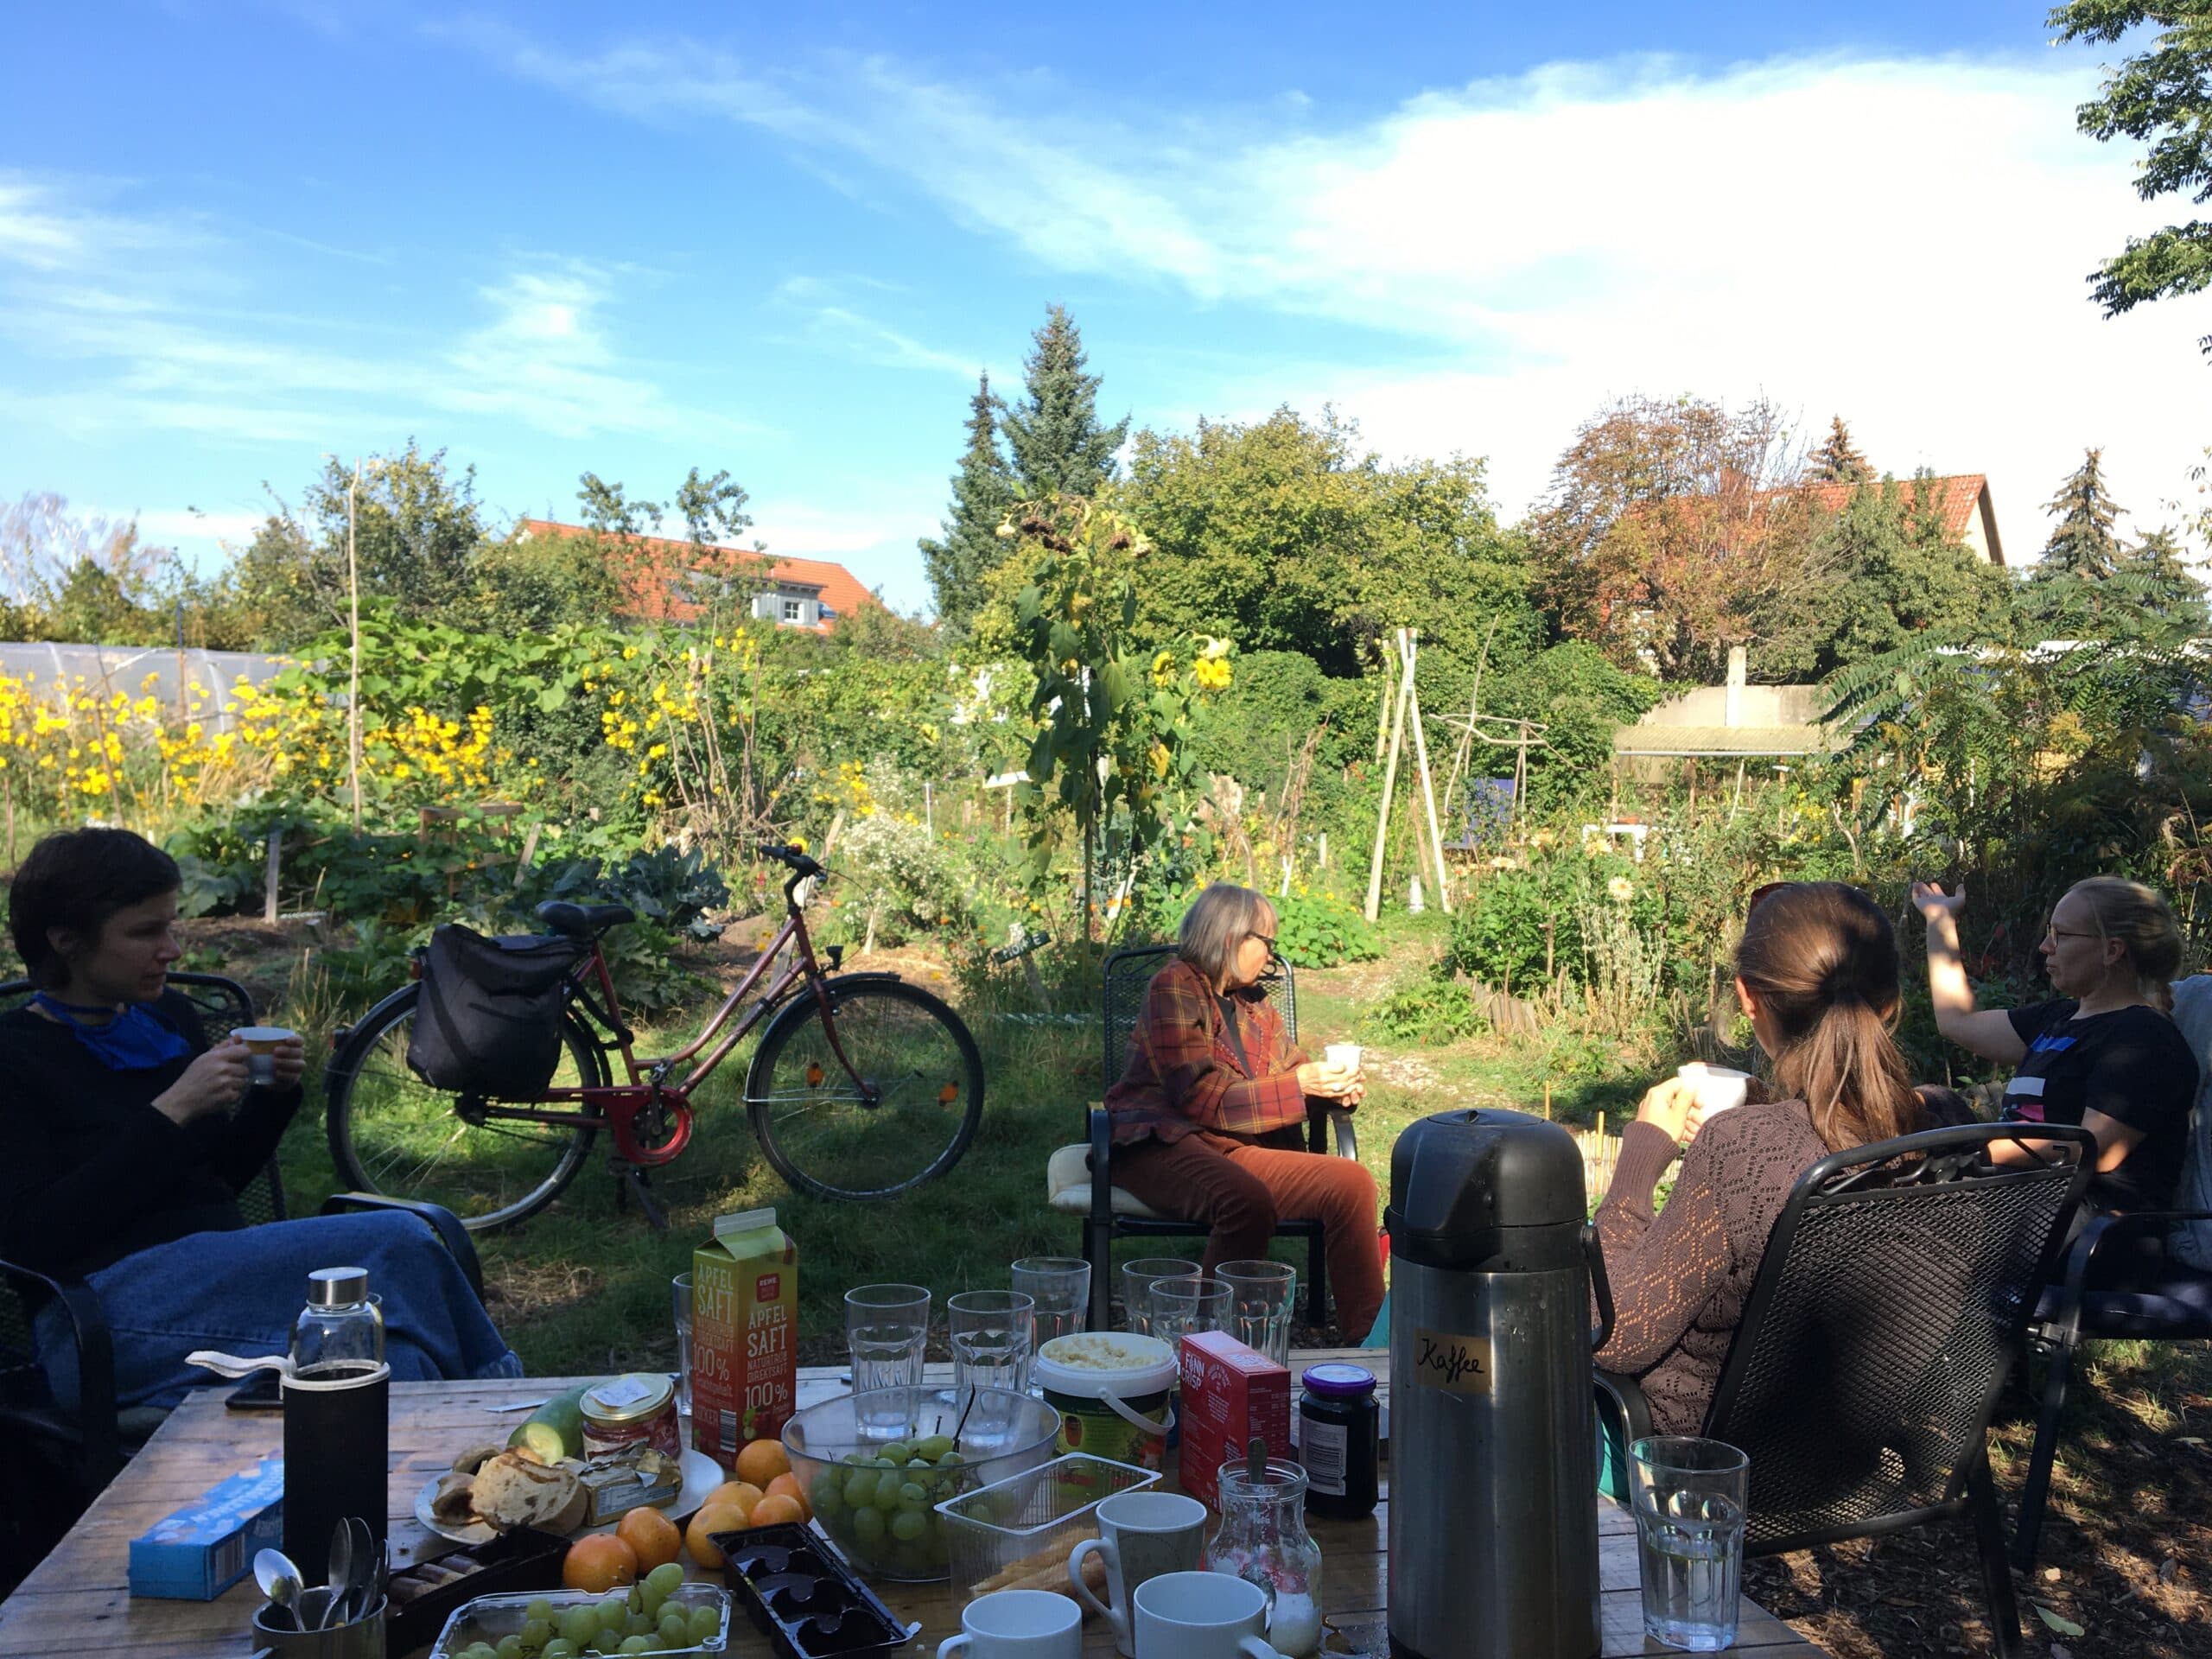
(77, 1602)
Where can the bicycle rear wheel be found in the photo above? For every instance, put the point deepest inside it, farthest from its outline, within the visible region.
(392, 1133)
(909, 1117)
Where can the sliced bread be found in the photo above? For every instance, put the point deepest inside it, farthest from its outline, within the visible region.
(514, 1492)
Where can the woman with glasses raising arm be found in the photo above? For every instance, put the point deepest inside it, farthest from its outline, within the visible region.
(1208, 1111)
(2104, 1055)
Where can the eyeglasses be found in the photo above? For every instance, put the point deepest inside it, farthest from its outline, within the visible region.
(2054, 934)
(1268, 939)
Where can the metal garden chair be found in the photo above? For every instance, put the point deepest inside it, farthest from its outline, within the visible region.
(1887, 1311)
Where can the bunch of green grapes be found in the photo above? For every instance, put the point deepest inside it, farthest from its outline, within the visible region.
(643, 1619)
(881, 1507)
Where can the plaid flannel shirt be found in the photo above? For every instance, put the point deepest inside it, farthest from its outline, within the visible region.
(1182, 1074)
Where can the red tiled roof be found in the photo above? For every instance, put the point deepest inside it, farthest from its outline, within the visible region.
(1956, 497)
(666, 559)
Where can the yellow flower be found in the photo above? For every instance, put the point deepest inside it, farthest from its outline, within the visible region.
(1163, 669)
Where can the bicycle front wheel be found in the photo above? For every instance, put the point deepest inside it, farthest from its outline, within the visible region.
(902, 1113)
(391, 1133)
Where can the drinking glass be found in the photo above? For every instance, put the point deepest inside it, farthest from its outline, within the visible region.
(990, 1339)
(1060, 1286)
(1182, 1307)
(887, 1328)
(682, 1285)
(1261, 1295)
(1689, 1495)
(1137, 1279)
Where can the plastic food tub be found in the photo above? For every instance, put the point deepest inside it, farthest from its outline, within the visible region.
(489, 1617)
(856, 1455)
(1016, 1533)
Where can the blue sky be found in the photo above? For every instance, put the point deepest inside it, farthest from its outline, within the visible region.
(782, 240)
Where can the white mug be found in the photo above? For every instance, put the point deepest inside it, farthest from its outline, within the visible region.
(1201, 1616)
(1143, 1535)
(1018, 1624)
(1343, 1054)
(1718, 1088)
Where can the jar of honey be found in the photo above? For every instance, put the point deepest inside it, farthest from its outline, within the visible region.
(636, 1409)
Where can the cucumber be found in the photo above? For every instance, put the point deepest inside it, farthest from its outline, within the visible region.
(555, 1429)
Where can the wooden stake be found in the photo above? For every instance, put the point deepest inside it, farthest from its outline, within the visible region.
(1383, 710)
(1411, 640)
(1548, 1100)
(1383, 814)
(269, 893)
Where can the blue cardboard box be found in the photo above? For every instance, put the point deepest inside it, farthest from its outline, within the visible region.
(206, 1547)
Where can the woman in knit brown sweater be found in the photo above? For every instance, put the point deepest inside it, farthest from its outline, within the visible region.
(1817, 975)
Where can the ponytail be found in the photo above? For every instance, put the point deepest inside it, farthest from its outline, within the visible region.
(1822, 961)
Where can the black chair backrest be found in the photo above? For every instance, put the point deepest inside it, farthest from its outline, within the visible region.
(223, 1006)
(1129, 973)
(1887, 1310)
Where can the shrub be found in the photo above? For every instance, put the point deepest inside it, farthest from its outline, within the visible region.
(1318, 930)
(898, 882)
(1431, 1009)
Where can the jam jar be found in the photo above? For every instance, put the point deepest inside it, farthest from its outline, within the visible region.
(638, 1409)
(1340, 1440)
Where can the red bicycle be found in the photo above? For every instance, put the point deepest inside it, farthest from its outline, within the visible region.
(862, 1086)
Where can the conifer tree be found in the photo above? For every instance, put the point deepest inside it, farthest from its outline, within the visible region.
(2084, 545)
(1057, 446)
(983, 490)
(1837, 460)
(2170, 597)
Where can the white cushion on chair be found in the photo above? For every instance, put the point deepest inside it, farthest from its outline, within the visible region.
(1067, 1185)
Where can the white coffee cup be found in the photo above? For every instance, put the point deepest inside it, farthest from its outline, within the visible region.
(261, 1051)
(1018, 1624)
(1201, 1616)
(1142, 1535)
(1344, 1055)
(1718, 1088)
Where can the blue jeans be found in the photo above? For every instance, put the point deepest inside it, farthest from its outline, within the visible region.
(239, 1292)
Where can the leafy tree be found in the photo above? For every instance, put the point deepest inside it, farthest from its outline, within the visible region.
(1897, 574)
(982, 494)
(2161, 98)
(1057, 445)
(880, 634)
(1837, 460)
(1672, 530)
(621, 536)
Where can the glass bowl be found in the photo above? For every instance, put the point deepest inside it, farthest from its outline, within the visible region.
(875, 1465)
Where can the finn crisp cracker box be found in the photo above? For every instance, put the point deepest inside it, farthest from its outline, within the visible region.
(744, 1334)
(1230, 1395)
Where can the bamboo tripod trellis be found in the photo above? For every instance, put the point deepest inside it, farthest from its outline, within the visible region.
(1393, 715)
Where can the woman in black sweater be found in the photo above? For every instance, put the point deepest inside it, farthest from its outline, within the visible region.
(121, 1158)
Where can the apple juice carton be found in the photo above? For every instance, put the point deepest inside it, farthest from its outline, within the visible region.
(744, 1334)
(1230, 1395)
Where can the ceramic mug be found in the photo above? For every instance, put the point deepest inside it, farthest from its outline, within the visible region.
(1142, 1535)
(1346, 1055)
(1201, 1616)
(1718, 1088)
(261, 1052)
(1018, 1624)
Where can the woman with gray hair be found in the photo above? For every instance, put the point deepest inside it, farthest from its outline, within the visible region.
(1208, 1113)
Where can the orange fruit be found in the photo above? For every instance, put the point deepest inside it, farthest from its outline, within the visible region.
(598, 1563)
(761, 1461)
(788, 1487)
(711, 1519)
(777, 1509)
(651, 1536)
(742, 1493)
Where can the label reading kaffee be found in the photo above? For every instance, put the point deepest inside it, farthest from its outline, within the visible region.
(1444, 1359)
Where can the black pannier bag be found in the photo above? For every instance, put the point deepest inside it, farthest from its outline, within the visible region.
(488, 1020)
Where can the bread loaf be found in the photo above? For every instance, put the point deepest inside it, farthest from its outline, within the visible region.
(1048, 1570)
(513, 1491)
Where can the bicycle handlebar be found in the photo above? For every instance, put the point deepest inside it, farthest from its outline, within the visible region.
(792, 858)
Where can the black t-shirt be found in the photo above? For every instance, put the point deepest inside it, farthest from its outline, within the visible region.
(2133, 1065)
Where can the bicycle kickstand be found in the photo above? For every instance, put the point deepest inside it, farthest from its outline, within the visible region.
(629, 1181)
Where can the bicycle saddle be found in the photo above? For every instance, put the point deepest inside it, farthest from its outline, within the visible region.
(583, 921)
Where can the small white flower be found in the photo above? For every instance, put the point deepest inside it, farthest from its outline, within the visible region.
(1620, 889)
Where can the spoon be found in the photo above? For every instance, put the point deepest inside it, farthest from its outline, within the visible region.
(341, 1571)
(279, 1581)
(368, 1571)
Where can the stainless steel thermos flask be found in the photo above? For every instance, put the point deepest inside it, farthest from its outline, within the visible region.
(1493, 1483)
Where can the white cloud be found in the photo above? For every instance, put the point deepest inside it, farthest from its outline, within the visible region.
(1900, 240)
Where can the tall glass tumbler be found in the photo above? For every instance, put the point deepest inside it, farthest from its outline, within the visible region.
(1182, 1307)
(1689, 1496)
(990, 1341)
(1262, 1297)
(1060, 1286)
(887, 1331)
(1137, 1279)
(681, 1285)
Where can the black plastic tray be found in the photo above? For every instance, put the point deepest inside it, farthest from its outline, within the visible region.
(804, 1597)
(518, 1560)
